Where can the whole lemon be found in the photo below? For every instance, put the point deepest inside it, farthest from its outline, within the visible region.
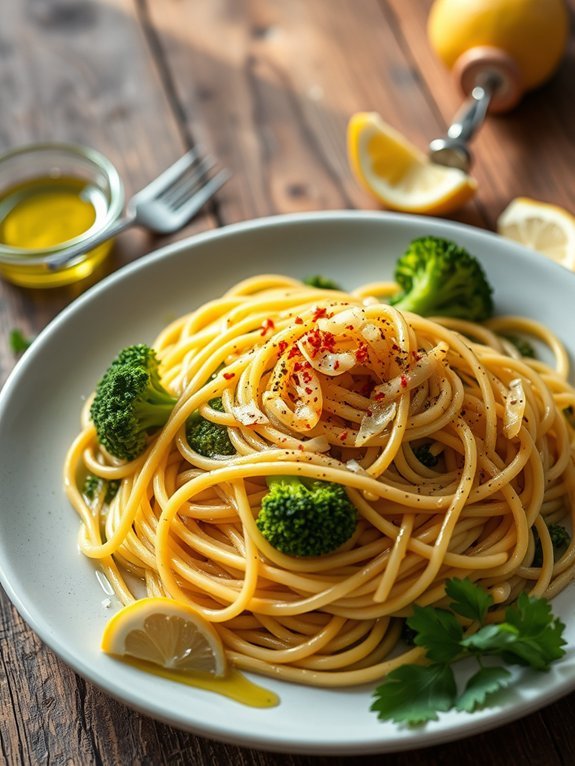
(533, 32)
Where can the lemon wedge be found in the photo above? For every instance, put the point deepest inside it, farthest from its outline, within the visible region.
(546, 228)
(166, 633)
(398, 174)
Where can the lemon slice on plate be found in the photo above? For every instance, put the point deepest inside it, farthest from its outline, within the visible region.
(166, 633)
(548, 229)
(398, 174)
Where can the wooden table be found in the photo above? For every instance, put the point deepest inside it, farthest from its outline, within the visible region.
(268, 87)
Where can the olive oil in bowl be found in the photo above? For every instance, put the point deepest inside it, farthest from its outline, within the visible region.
(74, 193)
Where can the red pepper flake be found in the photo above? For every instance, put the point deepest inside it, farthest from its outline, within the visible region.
(328, 341)
(362, 353)
(403, 381)
(308, 390)
(321, 311)
(379, 396)
(294, 351)
(320, 341)
(229, 375)
(416, 355)
(336, 364)
(314, 339)
(349, 327)
(267, 324)
(298, 320)
(282, 345)
(300, 366)
(343, 436)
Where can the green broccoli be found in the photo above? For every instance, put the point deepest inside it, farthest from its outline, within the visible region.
(301, 517)
(130, 402)
(323, 283)
(94, 484)
(91, 486)
(206, 437)
(425, 456)
(112, 488)
(522, 345)
(560, 539)
(437, 277)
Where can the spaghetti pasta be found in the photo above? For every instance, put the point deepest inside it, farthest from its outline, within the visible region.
(343, 388)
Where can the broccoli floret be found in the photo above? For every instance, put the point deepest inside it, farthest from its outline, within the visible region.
(437, 277)
(522, 345)
(94, 484)
(112, 488)
(560, 539)
(323, 283)
(306, 518)
(91, 486)
(207, 438)
(425, 456)
(130, 402)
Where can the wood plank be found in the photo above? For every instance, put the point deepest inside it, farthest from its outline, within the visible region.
(83, 73)
(270, 88)
(529, 151)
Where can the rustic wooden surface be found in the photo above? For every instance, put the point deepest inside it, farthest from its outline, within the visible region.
(268, 86)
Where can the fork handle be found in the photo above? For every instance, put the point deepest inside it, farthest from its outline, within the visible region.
(65, 256)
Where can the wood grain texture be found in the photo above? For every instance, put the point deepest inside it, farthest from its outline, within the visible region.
(268, 86)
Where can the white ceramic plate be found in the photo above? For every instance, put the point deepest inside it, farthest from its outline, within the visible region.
(55, 589)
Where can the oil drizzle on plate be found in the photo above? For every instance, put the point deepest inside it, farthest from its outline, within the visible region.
(233, 685)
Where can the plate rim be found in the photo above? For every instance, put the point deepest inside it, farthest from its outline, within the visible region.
(81, 665)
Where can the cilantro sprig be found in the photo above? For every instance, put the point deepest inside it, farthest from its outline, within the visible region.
(530, 635)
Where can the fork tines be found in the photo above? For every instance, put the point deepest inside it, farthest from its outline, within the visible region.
(193, 183)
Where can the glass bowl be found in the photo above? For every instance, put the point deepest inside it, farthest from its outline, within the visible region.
(53, 196)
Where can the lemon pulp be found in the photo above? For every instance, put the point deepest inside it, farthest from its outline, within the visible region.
(169, 639)
(545, 228)
(398, 174)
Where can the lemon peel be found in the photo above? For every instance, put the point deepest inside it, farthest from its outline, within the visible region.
(533, 33)
(545, 228)
(398, 174)
(166, 633)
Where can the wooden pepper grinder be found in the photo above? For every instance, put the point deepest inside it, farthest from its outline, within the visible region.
(497, 50)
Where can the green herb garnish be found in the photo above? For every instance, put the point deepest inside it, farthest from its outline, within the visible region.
(322, 282)
(529, 635)
(18, 341)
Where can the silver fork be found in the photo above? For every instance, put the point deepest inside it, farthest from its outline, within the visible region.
(163, 206)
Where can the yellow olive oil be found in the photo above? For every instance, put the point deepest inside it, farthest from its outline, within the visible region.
(233, 685)
(42, 213)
